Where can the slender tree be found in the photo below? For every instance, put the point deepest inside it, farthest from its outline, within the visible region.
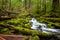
(9, 4)
(55, 5)
(2, 4)
(29, 3)
(25, 4)
(29, 6)
(44, 3)
(38, 6)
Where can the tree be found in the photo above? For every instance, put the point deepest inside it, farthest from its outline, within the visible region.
(38, 7)
(44, 3)
(55, 5)
(25, 4)
(29, 3)
(9, 4)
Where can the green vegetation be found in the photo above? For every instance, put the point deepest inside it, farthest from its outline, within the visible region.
(20, 12)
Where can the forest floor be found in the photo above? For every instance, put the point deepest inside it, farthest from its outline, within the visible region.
(21, 23)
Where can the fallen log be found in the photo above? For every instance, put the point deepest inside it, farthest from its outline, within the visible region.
(4, 18)
(8, 26)
(11, 37)
(9, 11)
(1, 38)
(25, 31)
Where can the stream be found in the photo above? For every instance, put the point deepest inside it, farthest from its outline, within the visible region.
(43, 28)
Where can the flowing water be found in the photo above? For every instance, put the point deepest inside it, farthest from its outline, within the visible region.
(43, 28)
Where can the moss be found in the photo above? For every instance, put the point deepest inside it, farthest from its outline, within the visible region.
(22, 20)
(5, 30)
(28, 26)
(24, 28)
(27, 31)
(35, 38)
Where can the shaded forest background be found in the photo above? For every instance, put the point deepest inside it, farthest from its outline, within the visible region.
(17, 13)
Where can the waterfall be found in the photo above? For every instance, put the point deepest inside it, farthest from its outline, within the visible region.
(44, 28)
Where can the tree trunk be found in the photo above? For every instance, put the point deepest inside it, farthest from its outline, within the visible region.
(3, 4)
(38, 7)
(29, 3)
(44, 3)
(55, 5)
(9, 4)
(25, 4)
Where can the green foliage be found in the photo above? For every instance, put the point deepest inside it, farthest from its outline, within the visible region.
(16, 4)
(5, 30)
(49, 5)
(35, 38)
(21, 21)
